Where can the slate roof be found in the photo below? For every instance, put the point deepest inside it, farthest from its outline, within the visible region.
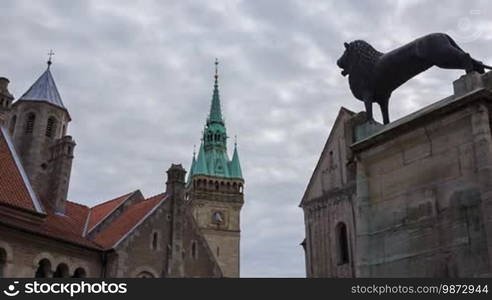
(44, 89)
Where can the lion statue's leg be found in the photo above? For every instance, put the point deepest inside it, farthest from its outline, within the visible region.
(450, 56)
(368, 105)
(384, 111)
(453, 58)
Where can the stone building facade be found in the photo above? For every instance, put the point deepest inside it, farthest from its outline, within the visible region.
(42, 234)
(408, 199)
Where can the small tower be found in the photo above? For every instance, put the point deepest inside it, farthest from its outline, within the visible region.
(6, 99)
(175, 186)
(38, 125)
(215, 187)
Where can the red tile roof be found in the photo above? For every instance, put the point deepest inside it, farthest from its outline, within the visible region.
(14, 191)
(126, 221)
(101, 211)
(68, 227)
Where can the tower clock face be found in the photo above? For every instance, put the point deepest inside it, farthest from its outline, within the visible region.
(218, 217)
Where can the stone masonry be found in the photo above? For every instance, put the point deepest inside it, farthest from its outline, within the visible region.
(415, 196)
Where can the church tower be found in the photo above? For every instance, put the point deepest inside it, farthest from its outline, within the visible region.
(215, 188)
(38, 124)
(6, 99)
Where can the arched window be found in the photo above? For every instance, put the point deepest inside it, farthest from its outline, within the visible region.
(44, 269)
(240, 188)
(79, 273)
(13, 121)
(30, 120)
(193, 250)
(145, 274)
(61, 271)
(3, 262)
(342, 244)
(155, 240)
(51, 127)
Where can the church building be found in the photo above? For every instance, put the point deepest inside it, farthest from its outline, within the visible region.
(412, 198)
(191, 229)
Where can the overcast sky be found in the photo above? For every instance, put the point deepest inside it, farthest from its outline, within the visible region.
(137, 78)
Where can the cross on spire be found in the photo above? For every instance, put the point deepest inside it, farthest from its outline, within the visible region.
(216, 68)
(50, 54)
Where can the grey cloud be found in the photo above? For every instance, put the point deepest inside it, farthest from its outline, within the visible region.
(137, 78)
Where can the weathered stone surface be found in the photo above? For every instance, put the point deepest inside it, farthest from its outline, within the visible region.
(422, 205)
(467, 83)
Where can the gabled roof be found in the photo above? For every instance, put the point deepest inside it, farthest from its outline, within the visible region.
(44, 89)
(127, 221)
(342, 112)
(99, 212)
(15, 188)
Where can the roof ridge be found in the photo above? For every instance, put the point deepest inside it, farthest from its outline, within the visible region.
(155, 206)
(111, 200)
(79, 204)
(123, 199)
(153, 196)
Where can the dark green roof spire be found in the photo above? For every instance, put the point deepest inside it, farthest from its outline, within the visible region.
(215, 110)
(235, 166)
(212, 159)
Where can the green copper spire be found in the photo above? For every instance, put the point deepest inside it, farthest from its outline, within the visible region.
(212, 157)
(215, 110)
(235, 166)
(192, 168)
(201, 163)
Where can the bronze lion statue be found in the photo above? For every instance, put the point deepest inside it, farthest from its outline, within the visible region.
(373, 75)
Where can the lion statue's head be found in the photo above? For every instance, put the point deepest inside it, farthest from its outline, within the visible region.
(358, 61)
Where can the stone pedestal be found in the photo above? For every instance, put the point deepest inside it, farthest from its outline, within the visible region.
(470, 82)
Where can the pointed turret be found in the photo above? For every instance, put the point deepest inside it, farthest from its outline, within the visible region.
(235, 166)
(44, 89)
(215, 115)
(192, 168)
(213, 159)
(201, 164)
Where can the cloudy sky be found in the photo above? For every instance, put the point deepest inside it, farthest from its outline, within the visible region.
(137, 78)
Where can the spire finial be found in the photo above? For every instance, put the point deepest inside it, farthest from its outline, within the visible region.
(235, 140)
(50, 54)
(194, 151)
(216, 71)
(216, 68)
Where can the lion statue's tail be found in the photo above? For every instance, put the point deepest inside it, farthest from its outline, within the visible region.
(486, 67)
